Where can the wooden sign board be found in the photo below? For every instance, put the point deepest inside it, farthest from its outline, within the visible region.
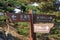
(18, 17)
(43, 27)
(43, 18)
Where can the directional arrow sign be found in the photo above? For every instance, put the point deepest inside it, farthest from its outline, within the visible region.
(43, 27)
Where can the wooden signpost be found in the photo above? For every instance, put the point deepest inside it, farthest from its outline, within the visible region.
(33, 19)
(23, 18)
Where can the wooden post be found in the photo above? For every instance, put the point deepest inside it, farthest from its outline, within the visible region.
(31, 25)
(32, 34)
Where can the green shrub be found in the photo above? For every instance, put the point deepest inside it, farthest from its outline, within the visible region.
(24, 28)
(2, 20)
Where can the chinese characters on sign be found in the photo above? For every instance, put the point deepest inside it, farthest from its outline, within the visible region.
(43, 18)
(13, 17)
(19, 17)
(25, 17)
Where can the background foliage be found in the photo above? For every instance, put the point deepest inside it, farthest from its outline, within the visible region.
(44, 7)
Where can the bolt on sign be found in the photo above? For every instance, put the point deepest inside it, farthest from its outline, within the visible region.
(43, 27)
